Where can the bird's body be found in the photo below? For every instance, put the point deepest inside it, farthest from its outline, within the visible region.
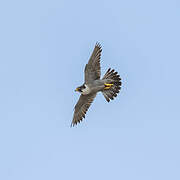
(93, 87)
(109, 85)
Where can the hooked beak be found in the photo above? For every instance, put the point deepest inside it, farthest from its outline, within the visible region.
(77, 89)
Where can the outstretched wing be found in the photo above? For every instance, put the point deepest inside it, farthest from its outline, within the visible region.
(93, 70)
(81, 107)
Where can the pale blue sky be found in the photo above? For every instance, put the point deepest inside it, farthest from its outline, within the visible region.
(44, 48)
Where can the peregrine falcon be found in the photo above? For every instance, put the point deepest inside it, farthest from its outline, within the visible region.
(109, 85)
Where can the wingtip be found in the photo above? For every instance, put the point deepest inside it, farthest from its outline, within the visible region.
(98, 44)
(73, 124)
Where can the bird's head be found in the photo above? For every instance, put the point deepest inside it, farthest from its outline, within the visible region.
(80, 88)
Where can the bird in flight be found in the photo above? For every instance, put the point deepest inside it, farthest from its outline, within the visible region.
(109, 85)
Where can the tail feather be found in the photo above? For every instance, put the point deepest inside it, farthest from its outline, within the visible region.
(113, 77)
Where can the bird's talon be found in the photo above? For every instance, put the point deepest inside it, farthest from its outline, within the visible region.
(108, 86)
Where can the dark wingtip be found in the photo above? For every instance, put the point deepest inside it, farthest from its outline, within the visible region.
(73, 124)
(98, 45)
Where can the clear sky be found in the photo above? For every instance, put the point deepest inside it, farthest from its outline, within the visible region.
(44, 46)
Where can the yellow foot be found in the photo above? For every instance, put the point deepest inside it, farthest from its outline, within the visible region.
(108, 86)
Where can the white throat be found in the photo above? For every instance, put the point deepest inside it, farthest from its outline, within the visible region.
(86, 90)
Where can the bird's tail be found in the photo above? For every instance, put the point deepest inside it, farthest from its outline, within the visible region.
(113, 86)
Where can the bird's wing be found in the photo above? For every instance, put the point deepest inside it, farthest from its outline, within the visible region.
(81, 107)
(93, 70)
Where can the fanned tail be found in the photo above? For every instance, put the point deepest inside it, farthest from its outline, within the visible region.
(112, 77)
